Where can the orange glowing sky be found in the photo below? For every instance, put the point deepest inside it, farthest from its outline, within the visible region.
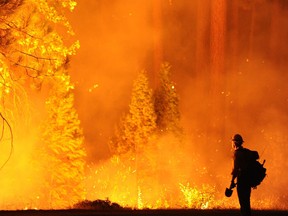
(118, 40)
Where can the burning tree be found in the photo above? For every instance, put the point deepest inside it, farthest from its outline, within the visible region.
(33, 55)
(31, 50)
(167, 103)
(148, 112)
(30, 47)
(133, 141)
(137, 145)
(63, 147)
(137, 127)
(170, 134)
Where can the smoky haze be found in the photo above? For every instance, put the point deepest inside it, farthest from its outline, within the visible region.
(117, 41)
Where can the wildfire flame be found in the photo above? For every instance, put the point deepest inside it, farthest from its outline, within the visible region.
(48, 164)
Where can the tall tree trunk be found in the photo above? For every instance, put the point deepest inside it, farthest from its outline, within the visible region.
(275, 30)
(217, 46)
(217, 41)
(202, 27)
(157, 37)
(251, 33)
(217, 75)
(233, 65)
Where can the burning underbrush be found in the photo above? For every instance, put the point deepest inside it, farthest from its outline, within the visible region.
(124, 183)
(170, 177)
(153, 179)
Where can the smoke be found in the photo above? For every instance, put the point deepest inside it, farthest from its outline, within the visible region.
(115, 37)
(19, 164)
(117, 42)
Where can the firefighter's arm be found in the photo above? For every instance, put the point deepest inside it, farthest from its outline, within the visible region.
(235, 171)
(232, 184)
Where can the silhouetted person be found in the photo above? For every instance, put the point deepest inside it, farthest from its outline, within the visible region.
(242, 159)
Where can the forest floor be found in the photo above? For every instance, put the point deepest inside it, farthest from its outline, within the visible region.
(184, 212)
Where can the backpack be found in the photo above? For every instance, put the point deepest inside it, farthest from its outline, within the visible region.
(257, 173)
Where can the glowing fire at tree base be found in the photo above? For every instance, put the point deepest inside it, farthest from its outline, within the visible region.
(119, 182)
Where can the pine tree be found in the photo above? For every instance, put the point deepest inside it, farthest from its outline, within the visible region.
(30, 46)
(137, 127)
(167, 103)
(135, 136)
(33, 52)
(170, 131)
(63, 147)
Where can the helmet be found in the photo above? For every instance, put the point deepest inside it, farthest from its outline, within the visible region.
(238, 138)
